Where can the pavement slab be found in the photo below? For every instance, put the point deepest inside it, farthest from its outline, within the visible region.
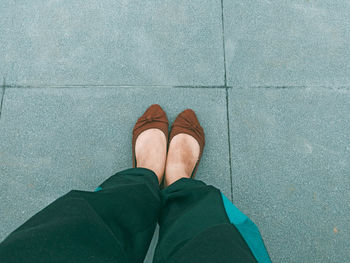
(111, 42)
(287, 43)
(53, 140)
(290, 157)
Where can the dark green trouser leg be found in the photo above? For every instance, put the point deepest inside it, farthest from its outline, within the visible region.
(194, 227)
(115, 224)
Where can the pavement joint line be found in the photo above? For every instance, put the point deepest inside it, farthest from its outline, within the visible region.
(229, 143)
(201, 87)
(293, 87)
(226, 91)
(223, 40)
(115, 86)
(345, 88)
(3, 87)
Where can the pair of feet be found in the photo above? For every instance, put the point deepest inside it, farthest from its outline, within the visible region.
(178, 162)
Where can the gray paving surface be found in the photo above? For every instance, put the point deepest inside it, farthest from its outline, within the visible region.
(111, 42)
(286, 43)
(270, 81)
(291, 164)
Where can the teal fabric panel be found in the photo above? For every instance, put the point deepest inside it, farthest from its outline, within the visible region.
(248, 230)
(98, 189)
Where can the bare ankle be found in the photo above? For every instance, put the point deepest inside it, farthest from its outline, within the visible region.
(182, 157)
(150, 151)
(175, 172)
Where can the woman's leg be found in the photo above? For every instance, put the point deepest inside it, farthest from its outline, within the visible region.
(198, 225)
(113, 224)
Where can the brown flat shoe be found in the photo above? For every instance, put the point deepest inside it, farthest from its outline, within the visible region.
(153, 118)
(187, 122)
